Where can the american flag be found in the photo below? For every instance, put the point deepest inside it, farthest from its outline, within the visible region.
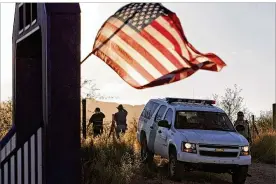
(144, 43)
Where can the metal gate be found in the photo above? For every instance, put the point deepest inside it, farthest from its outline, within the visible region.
(42, 147)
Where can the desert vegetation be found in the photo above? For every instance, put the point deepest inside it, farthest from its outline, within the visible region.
(264, 147)
(107, 159)
(110, 160)
(5, 117)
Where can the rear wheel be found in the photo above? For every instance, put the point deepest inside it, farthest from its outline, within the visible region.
(239, 175)
(146, 154)
(175, 167)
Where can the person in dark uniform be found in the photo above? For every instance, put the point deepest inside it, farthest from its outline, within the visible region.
(121, 121)
(242, 126)
(97, 121)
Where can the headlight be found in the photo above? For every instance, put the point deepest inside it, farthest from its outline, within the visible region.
(244, 150)
(188, 147)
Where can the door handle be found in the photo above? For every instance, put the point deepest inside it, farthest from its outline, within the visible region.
(151, 127)
(159, 131)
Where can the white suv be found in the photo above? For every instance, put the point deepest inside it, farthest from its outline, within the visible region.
(194, 135)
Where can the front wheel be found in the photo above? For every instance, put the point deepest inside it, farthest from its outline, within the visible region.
(146, 154)
(239, 175)
(175, 167)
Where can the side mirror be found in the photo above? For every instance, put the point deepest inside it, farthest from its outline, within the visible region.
(164, 123)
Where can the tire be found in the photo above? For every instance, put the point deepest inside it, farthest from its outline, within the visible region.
(239, 175)
(175, 167)
(146, 154)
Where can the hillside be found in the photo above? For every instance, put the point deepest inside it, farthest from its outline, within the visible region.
(109, 108)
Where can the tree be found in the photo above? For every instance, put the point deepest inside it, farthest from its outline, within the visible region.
(231, 102)
(5, 117)
(89, 90)
(265, 121)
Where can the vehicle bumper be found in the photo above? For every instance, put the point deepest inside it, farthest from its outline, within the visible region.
(196, 158)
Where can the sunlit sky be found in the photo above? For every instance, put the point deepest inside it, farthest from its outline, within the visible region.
(242, 34)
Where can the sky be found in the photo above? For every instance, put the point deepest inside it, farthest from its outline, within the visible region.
(242, 34)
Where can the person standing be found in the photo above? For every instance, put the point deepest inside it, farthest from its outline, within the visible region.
(121, 121)
(242, 126)
(97, 121)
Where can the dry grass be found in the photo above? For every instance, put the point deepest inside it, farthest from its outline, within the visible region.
(264, 147)
(116, 161)
(111, 160)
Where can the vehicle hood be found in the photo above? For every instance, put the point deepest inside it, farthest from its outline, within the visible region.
(214, 137)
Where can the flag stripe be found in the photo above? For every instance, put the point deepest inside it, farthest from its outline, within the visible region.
(216, 61)
(184, 74)
(123, 65)
(195, 56)
(161, 48)
(120, 50)
(198, 58)
(168, 35)
(212, 57)
(165, 23)
(167, 44)
(121, 72)
(138, 52)
(146, 44)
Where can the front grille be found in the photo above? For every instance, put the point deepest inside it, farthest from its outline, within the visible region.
(218, 146)
(218, 154)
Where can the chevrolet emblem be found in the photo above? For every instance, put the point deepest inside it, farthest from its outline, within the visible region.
(219, 150)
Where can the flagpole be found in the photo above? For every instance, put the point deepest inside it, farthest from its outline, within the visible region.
(87, 57)
(100, 46)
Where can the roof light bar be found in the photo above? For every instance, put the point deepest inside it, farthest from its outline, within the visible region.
(200, 101)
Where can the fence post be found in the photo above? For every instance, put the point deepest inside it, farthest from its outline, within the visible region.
(254, 125)
(46, 94)
(112, 127)
(274, 116)
(63, 72)
(84, 118)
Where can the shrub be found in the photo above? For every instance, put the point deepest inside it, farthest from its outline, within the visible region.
(264, 147)
(110, 160)
(5, 117)
(265, 121)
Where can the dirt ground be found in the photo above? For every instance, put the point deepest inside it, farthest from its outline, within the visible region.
(261, 174)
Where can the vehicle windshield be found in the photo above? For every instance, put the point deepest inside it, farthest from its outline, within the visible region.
(203, 121)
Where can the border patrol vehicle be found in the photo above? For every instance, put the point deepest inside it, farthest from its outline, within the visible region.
(192, 134)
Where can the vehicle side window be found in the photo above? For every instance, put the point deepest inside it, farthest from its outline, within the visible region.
(169, 116)
(149, 110)
(160, 113)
